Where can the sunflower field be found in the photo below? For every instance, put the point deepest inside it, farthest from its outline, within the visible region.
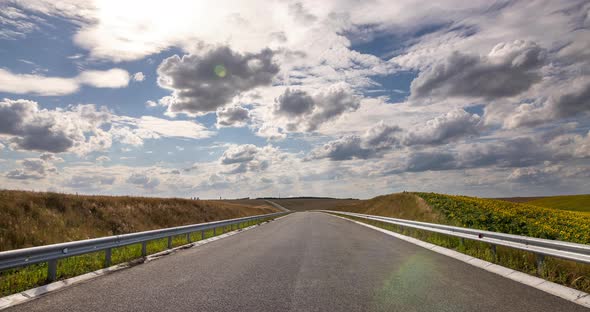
(512, 218)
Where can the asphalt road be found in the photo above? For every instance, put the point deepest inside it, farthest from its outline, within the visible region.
(306, 261)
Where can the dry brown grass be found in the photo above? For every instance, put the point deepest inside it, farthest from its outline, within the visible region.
(259, 203)
(400, 205)
(33, 219)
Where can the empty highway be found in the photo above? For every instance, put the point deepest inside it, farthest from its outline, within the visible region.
(306, 261)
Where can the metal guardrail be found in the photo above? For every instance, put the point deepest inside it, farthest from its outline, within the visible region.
(540, 247)
(52, 253)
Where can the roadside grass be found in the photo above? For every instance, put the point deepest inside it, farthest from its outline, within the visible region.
(564, 272)
(20, 279)
(29, 219)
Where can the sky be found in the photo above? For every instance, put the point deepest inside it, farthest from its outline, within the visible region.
(333, 98)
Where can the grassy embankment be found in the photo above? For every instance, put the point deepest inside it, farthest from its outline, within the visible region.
(32, 219)
(492, 215)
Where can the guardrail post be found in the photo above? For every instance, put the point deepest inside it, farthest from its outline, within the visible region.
(540, 262)
(107, 257)
(188, 238)
(51, 270)
(169, 242)
(494, 253)
(214, 231)
(144, 249)
(202, 234)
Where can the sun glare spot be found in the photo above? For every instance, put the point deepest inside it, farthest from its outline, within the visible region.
(220, 71)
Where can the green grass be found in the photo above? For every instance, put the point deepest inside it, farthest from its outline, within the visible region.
(564, 272)
(579, 203)
(20, 279)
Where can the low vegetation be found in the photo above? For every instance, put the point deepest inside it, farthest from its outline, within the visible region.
(401, 205)
(512, 218)
(579, 203)
(31, 219)
(492, 215)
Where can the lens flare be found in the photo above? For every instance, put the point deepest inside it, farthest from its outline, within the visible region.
(220, 71)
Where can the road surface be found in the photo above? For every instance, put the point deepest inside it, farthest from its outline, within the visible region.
(307, 261)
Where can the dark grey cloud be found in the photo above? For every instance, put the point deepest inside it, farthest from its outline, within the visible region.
(215, 181)
(509, 69)
(572, 100)
(532, 175)
(345, 148)
(49, 157)
(517, 152)
(42, 138)
(381, 136)
(143, 180)
(294, 103)
(376, 140)
(245, 158)
(76, 129)
(304, 112)
(90, 182)
(203, 83)
(31, 128)
(426, 161)
(572, 103)
(511, 153)
(22, 174)
(32, 169)
(445, 128)
(332, 104)
(232, 116)
(239, 154)
(440, 130)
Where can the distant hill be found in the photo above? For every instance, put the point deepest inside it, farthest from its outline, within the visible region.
(313, 203)
(579, 203)
(400, 205)
(517, 199)
(305, 197)
(568, 202)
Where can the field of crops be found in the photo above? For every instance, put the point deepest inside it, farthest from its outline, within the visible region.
(579, 203)
(513, 218)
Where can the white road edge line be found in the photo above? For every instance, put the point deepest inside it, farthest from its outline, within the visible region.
(34, 293)
(569, 294)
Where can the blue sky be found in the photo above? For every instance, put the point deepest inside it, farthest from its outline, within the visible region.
(320, 98)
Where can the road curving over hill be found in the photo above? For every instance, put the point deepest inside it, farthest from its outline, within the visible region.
(307, 261)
